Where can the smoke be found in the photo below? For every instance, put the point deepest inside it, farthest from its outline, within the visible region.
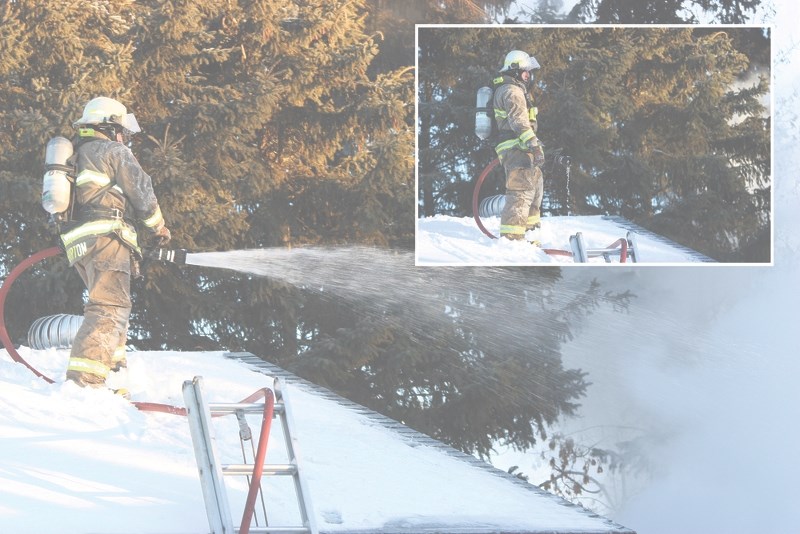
(704, 371)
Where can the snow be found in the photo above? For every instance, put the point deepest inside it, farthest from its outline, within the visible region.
(446, 240)
(85, 460)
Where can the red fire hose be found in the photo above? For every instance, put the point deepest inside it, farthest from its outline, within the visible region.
(13, 275)
(258, 461)
(266, 393)
(476, 215)
(476, 194)
(12, 351)
(623, 243)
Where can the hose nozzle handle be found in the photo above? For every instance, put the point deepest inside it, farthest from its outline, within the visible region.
(177, 256)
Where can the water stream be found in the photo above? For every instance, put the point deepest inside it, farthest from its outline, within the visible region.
(512, 302)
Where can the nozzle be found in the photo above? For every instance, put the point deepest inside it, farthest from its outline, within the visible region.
(563, 160)
(177, 256)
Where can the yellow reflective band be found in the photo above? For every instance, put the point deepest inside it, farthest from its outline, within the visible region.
(500, 114)
(155, 219)
(92, 228)
(92, 177)
(519, 142)
(532, 113)
(119, 354)
(505, 145)
(526, 136)
(84, 365)
(129, 236)
(97, 228)
(511, 229)
(534, 219)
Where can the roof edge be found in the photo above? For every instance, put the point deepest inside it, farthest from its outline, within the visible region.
(415, 438)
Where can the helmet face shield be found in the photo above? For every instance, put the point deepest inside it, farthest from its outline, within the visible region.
(128, 121)
(102, 110)
(517, 60)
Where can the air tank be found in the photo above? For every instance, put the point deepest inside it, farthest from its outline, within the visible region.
(483, 122)
(56, 186)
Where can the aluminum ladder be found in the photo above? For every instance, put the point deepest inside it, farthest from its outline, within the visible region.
(211, 470)
(626, 247)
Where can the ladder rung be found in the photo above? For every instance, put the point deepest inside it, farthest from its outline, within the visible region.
(269, 469)
(229, 408)
(211, 471)
(603, 251)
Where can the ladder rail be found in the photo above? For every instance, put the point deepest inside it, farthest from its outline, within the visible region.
(300, 486)
(633, 246)
(211, 471)
(217, 507)
(625, 247)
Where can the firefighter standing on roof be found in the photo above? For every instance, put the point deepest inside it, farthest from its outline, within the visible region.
(111, 193)
(519, 149)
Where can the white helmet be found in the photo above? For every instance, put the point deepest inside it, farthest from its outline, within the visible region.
(104, 110)
(519, 60)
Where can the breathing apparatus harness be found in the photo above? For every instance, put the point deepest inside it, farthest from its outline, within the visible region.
(486, 115)
(58, 183)
(505, 135)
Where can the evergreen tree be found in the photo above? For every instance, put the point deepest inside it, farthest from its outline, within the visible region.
(271, 124)
(262, 128)
(469, 364)
(394, 21)
(659, 124)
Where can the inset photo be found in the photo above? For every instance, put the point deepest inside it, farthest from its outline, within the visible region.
(594, 145)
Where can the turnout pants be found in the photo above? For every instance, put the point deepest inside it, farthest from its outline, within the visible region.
(524, 191)
(99, 346)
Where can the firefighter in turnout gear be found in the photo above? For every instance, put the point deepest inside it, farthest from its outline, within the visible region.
(519, 150)
(111, 193)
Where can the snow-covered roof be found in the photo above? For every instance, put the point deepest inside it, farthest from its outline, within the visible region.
(80, 460)
(436, 488)
(446, 240)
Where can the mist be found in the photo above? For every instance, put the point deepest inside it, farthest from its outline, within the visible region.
(703, 370)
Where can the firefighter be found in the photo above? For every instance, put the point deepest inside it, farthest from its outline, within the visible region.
(519, 150)
(112, 192)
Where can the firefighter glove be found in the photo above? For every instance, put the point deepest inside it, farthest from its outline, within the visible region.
(162, 236)
(538, 155)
